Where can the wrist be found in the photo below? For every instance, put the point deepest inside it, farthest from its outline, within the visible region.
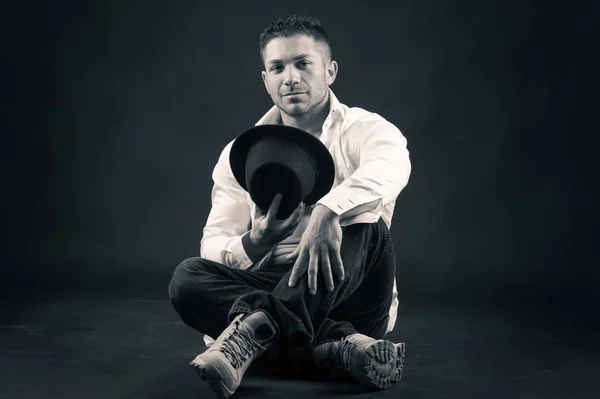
(252, 237)
(254, 247)
(326, 213)
(256, 239)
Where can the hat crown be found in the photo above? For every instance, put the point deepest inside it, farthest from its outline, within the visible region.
(271, 159)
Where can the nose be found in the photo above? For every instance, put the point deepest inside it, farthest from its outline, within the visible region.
(291, 77)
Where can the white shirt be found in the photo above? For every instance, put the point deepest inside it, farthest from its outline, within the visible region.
(372, 167)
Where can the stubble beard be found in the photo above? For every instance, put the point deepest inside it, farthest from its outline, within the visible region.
(295, 110)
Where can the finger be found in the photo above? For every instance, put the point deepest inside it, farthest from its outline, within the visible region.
(337, 266)
(326, 270)
(301, 210)
(274, 207)
(294, 253)
(294, 218)
(257, 211)
(299, 216)
(285, 251)
(313, 269)
(277, 251)
(293, 242)
(299, 269)
(298, 212)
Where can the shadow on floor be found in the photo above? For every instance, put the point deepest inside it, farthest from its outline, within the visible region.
(138, 348)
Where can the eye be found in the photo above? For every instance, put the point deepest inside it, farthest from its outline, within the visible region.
(303, 64)
(276, 68)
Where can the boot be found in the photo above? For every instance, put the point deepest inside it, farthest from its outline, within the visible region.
(223, 364)
(375, 363)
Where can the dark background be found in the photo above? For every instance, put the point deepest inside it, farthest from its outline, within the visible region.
(116, 112)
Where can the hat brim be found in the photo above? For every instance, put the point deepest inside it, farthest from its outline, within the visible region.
(325, 165)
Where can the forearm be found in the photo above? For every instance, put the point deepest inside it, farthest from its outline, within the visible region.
(383, 172)
(229, 218)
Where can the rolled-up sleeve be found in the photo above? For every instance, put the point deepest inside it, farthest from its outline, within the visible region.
(229, 218)
(383, 170)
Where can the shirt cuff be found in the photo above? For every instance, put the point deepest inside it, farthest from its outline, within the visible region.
(340, 200)
(254, 254)
(235, 249)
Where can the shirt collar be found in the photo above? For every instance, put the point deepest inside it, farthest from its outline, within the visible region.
(273, 116)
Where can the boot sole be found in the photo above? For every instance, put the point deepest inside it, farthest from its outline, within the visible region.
(399, 361)
(383, 364)
(212, 376)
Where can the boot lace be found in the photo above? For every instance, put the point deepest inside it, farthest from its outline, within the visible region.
(239, 347)
(345, 351)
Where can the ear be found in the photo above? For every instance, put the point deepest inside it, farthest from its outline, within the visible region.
(331, 71)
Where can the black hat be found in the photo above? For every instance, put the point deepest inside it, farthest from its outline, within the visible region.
(271, 159)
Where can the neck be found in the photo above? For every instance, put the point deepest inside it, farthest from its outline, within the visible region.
(312, 121)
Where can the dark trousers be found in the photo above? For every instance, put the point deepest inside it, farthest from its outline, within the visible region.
(208, 295)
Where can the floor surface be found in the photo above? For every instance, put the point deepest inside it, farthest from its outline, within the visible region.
(138, 348)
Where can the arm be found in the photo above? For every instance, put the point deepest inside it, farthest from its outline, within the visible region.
(383, 170)
(226, 235)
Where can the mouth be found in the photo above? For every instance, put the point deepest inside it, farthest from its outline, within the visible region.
(292, 94)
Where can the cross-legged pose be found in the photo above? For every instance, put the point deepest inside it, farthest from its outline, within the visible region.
(316, 289)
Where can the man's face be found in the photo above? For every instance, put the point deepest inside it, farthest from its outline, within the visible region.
(297, 73)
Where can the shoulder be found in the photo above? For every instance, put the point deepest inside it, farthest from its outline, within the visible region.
(359, 120)
(224, 155)
(222, 165)
(227, 149)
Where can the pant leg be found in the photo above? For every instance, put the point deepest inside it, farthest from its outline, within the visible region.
(368, 308)
(303, 318)
(203, 292)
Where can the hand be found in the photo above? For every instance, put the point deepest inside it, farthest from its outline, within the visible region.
(320, 244)
(268, 231)
(282, 251)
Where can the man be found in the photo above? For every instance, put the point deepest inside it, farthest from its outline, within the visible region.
(317, 289)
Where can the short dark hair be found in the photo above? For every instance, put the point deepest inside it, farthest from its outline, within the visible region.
(295, 25)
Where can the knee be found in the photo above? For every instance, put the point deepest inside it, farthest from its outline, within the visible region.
(361, 236)
(373, 229)
(181, 281)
